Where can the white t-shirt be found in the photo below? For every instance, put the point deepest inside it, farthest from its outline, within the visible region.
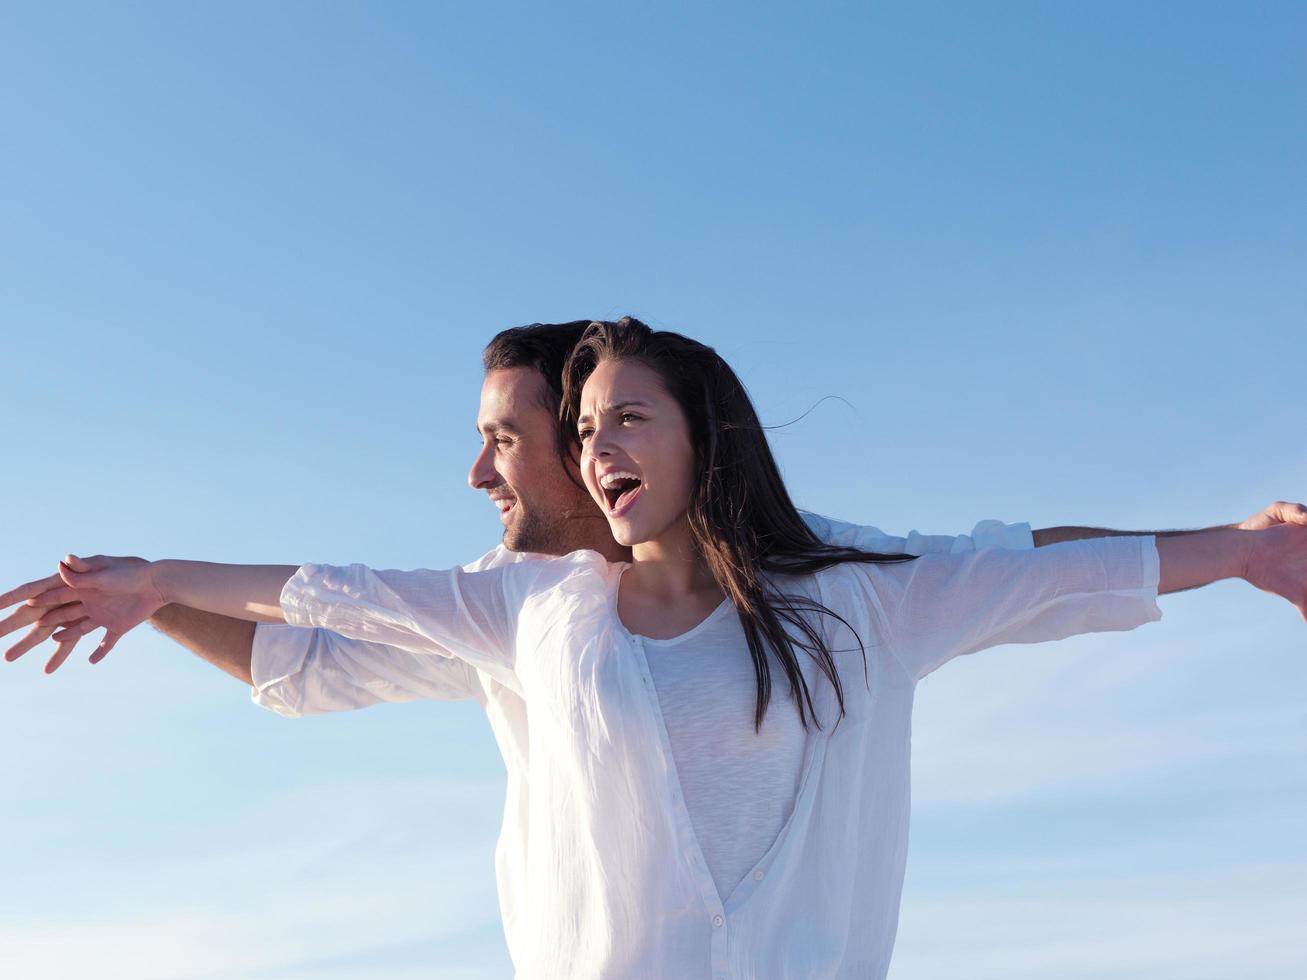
(600, 868)
(739, 785)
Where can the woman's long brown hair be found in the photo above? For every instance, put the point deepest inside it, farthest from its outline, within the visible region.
(742, 520)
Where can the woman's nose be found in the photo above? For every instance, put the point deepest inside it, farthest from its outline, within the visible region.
(600, 444)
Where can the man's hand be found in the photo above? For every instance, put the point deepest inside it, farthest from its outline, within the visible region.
(117, 594)
(1276, 562)
(1278, 513)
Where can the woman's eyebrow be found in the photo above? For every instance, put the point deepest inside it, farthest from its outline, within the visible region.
(630, 403)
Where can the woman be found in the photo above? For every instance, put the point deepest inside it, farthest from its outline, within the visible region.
(676, 827)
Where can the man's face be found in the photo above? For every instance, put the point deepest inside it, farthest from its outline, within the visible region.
(518, 466)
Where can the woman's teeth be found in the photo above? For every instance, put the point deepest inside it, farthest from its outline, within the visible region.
(619, 487)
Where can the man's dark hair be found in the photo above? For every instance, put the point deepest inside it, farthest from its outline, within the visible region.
(545, 347)
(542, 346)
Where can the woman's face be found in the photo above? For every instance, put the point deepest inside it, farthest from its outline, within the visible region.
(636, 457)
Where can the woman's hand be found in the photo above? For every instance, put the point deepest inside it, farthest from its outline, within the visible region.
(117, 594)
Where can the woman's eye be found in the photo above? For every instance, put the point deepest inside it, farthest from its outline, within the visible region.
(583, 434)
(627, 416)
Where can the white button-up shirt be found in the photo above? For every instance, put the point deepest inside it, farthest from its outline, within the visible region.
(599, 869)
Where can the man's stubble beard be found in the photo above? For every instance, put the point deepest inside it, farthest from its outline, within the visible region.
(556, 532)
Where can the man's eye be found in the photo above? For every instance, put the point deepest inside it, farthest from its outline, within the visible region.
(503, 442)
(629, 416)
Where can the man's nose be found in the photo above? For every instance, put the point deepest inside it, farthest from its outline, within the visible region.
(482, 475)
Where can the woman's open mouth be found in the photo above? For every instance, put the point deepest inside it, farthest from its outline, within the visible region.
(620, 491)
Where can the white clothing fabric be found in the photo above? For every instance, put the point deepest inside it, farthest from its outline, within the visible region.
(299, 671)
(604, 875)
(739, 786)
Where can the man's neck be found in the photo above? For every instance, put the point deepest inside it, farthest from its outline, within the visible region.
(610, 549)
(604, 544)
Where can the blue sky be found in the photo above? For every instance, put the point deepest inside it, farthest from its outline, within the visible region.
(1048, 259)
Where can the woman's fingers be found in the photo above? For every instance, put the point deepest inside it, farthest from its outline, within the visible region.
(20, 617)
(29, 589)
(36, 637)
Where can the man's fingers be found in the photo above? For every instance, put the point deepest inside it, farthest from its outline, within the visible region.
(37, 636)
(28, 589)
(54, 597)
(79, 628)
(105, 646)
(61, 654)
(62, 615)
(1288, 513)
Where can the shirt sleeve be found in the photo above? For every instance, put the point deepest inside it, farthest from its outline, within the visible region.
(300, 671)
(449, 614)
(866, 537)
(938, 607)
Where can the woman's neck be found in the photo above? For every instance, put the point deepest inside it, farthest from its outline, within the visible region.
(668, 590)
(669, 568)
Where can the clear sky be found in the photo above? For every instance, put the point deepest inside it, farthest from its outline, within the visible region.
(1049, 260)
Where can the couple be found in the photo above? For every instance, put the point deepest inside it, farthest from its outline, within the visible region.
(660, 821)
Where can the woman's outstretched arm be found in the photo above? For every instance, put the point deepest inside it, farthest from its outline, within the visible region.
(250, 592)
(942, 606)
(120, 593)
(446, 613)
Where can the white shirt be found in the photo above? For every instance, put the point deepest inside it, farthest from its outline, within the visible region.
(298, 671)
(601, 872)
(738, 796)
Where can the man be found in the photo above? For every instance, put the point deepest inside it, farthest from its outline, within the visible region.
(528, 468)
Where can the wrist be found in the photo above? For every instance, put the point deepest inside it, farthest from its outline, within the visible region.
(1247, 541)
(161, 578)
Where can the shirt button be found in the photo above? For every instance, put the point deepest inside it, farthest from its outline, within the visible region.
(757, 876)
(717, 920)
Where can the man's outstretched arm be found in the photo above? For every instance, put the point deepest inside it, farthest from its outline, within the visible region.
(1055, 535)
(225, 642)
(1279, 512)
